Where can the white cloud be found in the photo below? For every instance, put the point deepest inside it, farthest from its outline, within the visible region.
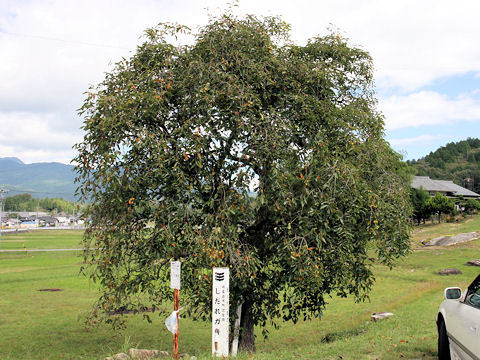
(417, 140)
(33, 138)
(428, 108)
(412, 43)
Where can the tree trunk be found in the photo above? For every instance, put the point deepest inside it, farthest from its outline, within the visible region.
(247, 336)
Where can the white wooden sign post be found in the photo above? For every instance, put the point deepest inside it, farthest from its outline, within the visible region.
(220, 315)
(175, 274)
(175, 284)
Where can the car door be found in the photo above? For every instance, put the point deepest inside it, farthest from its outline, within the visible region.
(463, 323)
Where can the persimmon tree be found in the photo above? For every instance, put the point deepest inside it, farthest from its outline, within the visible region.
(242, 149)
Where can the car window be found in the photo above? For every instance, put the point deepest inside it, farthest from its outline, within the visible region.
(473, 294)
(475, 285)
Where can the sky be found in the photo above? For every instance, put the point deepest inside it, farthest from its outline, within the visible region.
(425, 53)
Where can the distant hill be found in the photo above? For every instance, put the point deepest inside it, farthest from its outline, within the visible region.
(40, 179)
(456, 161)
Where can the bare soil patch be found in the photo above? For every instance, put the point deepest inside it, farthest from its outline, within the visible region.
(50, 290)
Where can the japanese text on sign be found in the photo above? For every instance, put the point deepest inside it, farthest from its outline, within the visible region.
(220, 316)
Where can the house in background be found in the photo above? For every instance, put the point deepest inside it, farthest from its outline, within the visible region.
(47, 221)
(30, 220)
(444, 187)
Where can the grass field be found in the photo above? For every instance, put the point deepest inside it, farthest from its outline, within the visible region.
(42, 239)
(49, 325)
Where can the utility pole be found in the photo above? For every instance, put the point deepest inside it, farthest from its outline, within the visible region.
(2, 193)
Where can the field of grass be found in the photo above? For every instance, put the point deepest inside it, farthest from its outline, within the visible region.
(49, 325)
(42, 239)
(433, 230)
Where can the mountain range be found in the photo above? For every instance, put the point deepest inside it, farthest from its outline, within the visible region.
(49, 179)
(456, 161)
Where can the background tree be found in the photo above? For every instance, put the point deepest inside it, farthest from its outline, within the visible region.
(25, 202)
(471, 205)
(421, 210)
(440, 204)
(21, 202)
(241, 150)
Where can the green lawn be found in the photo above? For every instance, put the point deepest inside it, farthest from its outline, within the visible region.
(432, 230)
(49, 325)
(42, 239)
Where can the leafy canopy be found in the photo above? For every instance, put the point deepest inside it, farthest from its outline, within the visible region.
(242, 150)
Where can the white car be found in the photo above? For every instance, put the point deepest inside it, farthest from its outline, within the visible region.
(458, 323)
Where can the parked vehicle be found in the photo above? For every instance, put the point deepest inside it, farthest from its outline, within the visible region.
(458, 323)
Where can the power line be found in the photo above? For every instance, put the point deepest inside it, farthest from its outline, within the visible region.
(62, 40)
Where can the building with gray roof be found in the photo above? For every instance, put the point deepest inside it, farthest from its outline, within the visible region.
(444, 187)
